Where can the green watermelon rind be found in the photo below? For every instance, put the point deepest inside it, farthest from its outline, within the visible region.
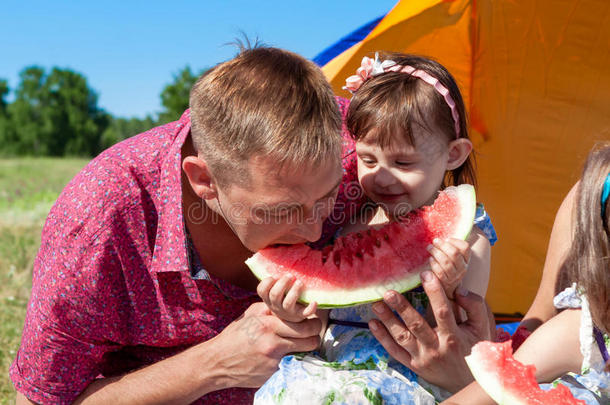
(467, 196)
(338, 297)
(343, 297)
(361, 295)
(489, 380)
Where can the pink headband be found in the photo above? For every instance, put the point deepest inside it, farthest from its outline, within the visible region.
(370, 68)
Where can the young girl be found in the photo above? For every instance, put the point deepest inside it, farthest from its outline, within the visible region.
(577, 339)
(408, 120)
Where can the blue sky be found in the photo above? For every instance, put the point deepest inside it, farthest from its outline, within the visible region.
(129, 50)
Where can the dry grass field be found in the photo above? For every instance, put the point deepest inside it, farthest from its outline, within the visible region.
(28, 188)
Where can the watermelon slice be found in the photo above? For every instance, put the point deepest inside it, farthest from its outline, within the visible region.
(360, 267)
(507, 381)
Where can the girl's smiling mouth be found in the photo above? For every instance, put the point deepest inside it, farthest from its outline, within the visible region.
(390, 197)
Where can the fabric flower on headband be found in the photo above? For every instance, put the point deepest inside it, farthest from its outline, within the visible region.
(368, 68)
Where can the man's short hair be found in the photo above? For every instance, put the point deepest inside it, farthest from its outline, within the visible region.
(264, 102)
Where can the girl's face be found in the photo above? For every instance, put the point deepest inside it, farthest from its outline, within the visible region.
(402, 177)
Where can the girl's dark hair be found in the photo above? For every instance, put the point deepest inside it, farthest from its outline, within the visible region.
(588, 261)
(394, 103)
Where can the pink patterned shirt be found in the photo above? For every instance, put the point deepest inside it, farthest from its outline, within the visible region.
(112, 288)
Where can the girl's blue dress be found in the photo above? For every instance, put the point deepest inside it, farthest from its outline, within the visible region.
(592, 385)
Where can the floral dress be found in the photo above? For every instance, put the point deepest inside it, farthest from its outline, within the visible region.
(593, 384)
(351, 366)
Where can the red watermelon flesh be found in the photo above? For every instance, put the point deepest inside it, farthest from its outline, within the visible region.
(359, 267)
(507, 381)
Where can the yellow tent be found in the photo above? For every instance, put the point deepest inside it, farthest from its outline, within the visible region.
(535, 76)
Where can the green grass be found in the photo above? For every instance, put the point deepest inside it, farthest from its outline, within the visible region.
(28, 188)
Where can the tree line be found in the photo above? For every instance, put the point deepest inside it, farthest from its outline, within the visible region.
(56, 113)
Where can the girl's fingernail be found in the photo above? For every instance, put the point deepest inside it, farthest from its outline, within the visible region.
(429, 247)
(373, 326)
(426, 276)
(378, 308)
(436, 241)
(391, 298)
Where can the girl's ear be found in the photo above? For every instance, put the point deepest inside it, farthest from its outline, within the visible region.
(459, 149)
(200, 178)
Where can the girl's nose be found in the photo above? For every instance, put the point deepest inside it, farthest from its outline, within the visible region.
(383, 178)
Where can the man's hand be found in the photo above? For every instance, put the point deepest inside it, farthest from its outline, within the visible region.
(252, 346)
(281, 297)
(244, 354)
(436, 354)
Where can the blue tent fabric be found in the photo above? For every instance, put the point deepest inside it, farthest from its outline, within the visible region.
(346, 42)
(509, 327)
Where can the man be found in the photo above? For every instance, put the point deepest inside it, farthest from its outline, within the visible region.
(140, 293)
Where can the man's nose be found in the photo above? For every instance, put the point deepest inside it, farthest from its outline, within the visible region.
(311, 229)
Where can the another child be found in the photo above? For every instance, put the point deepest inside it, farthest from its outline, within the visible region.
(577, 339)
(408, 120)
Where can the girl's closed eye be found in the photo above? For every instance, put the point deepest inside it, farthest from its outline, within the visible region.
(367, 160)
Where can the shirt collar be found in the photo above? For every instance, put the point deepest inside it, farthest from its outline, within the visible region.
(170, 251)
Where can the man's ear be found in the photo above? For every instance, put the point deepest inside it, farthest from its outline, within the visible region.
(200, 178)
(459, 149)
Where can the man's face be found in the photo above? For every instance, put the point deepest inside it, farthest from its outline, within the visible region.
(281, 206)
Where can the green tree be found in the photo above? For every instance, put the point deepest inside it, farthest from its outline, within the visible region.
(55, 114)
(28, 135)
(5, 123)
(72, 107)
(4, 90)
(122, 128)
(175, 95)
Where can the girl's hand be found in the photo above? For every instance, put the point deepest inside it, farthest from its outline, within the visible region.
(449, 262)
(281, 297)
